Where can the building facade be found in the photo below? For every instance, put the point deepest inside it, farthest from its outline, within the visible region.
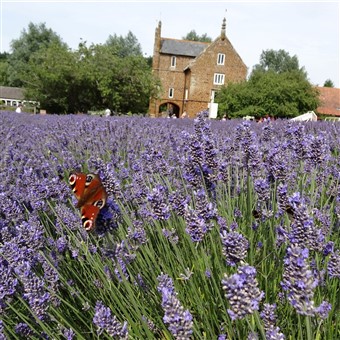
(13, 96)
(191, 73)
(329, 101)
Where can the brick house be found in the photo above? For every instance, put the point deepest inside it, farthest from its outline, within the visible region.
(329, 101)
(192, 72)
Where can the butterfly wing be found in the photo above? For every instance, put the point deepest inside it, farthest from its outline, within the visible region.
(77, 182)
(91, 196)
(89, 214)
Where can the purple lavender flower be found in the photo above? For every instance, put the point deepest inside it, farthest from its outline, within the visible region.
(274, 333)
(61, 244)
(237, 213)
(242, 292)
(298, 281)
(262, 189)
(268, 315)
(51, 277)
(328, 248)
(269, 322)
(197, 227)
(8, 282)
(303, 231)
(137, 234)
(69, 334)
(2, 335)
(282, 197)
(323, 310)
(159, 209)
(252, 336)
(165, 281)
(34, 290)
(178, 202)
(106, 322)
(66, 217)
(123, 256)
(205, 209)
(23, 330)
(317, 149)
(170, 235)
(149, 323)
(179, 321)
(333, 265)
(234, 247)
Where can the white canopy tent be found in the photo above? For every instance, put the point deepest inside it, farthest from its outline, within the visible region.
(309, 116)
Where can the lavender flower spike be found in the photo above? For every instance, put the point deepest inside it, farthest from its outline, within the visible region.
(333, 265)
(242, 292)
(269, 322)
(299, 282)
(105, 321)
(179, 320)
(234, 247)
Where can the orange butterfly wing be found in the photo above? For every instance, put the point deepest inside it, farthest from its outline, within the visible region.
(89, 214)
(91, 196)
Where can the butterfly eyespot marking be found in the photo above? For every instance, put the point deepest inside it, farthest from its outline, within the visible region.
(87, 224)
(89, 179)
(72, 179)
(100, 204)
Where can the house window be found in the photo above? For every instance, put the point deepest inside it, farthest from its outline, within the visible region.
(218, 79)
(173, 61)
(220, 58)
(171, 92)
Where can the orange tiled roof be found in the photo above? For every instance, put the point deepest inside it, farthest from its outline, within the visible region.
(330, 101)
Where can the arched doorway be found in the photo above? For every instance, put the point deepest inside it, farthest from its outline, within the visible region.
(169, 109)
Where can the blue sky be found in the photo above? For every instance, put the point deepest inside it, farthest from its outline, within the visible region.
(307, 29)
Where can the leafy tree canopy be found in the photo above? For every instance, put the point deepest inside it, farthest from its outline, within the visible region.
(278, 62)
(30, 41)
(90, 78)
(193, 36)
(124, 46)
(280, 95)
(328, 83)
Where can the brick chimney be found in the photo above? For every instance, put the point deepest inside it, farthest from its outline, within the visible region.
(223, 29)
(157, 46)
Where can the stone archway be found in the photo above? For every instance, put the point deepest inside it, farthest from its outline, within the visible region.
(169, 109)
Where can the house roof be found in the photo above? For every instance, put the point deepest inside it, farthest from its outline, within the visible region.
(330, 101)
(11, 93)
(182, 47)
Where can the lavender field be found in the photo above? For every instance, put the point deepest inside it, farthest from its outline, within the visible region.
(211, 230)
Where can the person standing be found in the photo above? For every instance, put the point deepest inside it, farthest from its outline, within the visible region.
(19, 108)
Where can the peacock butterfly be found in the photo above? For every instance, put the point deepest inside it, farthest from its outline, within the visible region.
(91, 196)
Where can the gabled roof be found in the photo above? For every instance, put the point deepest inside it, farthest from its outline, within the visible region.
(210, 45)
(11, 92)
(182, 47)
(330, 101)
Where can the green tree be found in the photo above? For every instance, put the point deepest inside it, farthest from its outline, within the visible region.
(125, 84)
(281, 95)
(278, 62)
(193, 36)
(328, 83)
(51, 78)
(30, 41)
(90, 78)
(4, 69)
(124, 46)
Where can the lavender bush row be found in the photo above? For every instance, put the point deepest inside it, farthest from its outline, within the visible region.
(211, 230)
